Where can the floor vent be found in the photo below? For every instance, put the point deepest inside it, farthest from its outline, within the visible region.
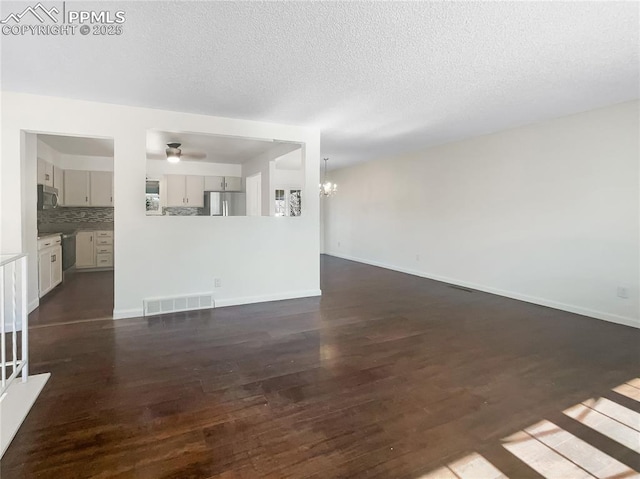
(175, 304)
(466, 290)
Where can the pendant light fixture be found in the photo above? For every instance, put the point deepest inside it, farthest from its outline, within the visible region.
(326, 187)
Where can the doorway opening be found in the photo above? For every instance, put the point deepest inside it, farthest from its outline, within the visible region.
(75, 234)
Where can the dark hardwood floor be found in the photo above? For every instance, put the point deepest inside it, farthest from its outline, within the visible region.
(82, 296)
(387, 376)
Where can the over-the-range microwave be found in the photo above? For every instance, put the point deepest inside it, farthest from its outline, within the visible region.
(47, 197)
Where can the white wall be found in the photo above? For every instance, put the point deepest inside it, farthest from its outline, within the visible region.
(288, 171)
(85, 163)
(546, 213)
(263, 165)
(48, 153)
(156, 169)
(162, 256)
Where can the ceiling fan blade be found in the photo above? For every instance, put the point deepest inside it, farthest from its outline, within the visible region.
(194, 155)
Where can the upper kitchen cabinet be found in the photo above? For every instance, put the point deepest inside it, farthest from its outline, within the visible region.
(232, 183)
(88, 188)
(45, 173)
(101, 188)
(185, 190)
(214, 183)
(58, 183)
(76, 188)
(222, 183)
(195, 191)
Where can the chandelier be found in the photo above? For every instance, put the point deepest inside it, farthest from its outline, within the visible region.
(326, 187)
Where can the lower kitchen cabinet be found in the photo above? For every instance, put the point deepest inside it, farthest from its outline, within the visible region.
(94, 249)
(85, 250)
(49, 264)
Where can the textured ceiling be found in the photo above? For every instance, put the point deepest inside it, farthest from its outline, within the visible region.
(377, 77)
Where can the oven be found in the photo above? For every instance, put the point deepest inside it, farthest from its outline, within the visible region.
(68, 250)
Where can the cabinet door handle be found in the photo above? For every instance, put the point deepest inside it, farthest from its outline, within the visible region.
(46, 176)
(53, 258)
(86, 199)
(187, 200)
(225, 184)
(90, 239)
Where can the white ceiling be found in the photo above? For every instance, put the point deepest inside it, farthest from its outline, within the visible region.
(77, 145)
(218, 149)
(377, 77)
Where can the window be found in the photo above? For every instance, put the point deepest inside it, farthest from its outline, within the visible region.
(288, 202)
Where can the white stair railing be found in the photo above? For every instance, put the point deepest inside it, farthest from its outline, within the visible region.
(14, 327)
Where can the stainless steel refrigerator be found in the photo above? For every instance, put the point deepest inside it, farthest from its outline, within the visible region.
(217, 203)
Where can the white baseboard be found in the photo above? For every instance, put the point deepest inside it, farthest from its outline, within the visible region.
(219, 303)
(15, 405)
(33, 305)
(128, 313)
(267, 297)
(612, 318)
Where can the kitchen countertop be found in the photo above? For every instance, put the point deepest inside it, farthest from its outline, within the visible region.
(64, 228)
(47, 235)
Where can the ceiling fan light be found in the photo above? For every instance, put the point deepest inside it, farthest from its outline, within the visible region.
(173, 152)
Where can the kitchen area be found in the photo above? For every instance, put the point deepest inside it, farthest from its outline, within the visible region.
(191, 174)
(75, 217)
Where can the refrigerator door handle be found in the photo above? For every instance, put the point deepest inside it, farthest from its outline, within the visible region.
(225, 210)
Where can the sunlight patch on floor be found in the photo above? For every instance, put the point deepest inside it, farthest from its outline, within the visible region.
(631, 389)
(473, 466)
(606, 426)
(557, 454)
(579, 452)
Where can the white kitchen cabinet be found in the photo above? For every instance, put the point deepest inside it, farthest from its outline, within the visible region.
(104, 249)
(76, 188)
(44, 272)
(101, 188)
(214, 183)
(85, 250)
(88, 188)
(185, 190)
(58, 183)
(175, 190)
(222, 183)
(194, 191)
(94, 249)
(45, 172)
(232, 183)
(56, 266)
(49, 264)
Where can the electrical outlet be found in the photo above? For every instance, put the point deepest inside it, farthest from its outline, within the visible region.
(623, 292)
(217, 283)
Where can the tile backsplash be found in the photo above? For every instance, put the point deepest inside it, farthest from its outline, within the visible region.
(182, 211)
(76, 215)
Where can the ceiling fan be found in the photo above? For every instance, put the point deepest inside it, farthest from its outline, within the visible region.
(173, 154)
